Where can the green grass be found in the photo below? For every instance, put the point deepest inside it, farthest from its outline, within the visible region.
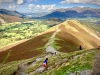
(55, 44)
(13, 32)
(80, 63)
(4, 60)
(41, 48)
(9, 68)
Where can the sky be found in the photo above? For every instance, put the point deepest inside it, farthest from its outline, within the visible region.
(38, 6)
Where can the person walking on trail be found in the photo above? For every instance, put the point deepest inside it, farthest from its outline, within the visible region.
(80, 47)
(45, 63)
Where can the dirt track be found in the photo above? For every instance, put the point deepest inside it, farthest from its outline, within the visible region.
(49, 49)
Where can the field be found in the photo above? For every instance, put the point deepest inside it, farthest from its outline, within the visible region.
(70, 60)
(26, 34)
(12, 33)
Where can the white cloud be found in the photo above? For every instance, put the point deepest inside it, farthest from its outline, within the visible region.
(38, 7)
(64, 7)
(31, 6)
(52, 7)
(42, 7)
(97, 2)
(12, 7)
(63, 2)
(19, 2)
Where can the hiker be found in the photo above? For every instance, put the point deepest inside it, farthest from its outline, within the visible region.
(45, 63)
(80, 47)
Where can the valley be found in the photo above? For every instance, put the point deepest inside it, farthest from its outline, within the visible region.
(14, 32)
(43, 40)
(45, 37)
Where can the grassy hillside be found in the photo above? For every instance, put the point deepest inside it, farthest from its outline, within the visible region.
(71, 35)
(57, 65)
(66, 37)
(77, 61)
(27, 49)
(8, 19)
(13, 32)
(92, 25)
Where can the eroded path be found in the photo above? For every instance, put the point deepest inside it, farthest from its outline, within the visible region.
(49, 49)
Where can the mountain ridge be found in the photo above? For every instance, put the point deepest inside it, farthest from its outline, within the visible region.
(11, 13)
(78, 9)
(68, 39)
(8, 19)
(76, 12)
(8, 16)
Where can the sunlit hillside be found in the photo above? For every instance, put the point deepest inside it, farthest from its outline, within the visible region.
(78, 34)
(60, 44)
(71, 34)
(11, 33)
(79, 62)
(8, 19)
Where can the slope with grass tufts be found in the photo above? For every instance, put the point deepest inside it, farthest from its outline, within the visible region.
(66, 37)
(63, 64)
(71, 35)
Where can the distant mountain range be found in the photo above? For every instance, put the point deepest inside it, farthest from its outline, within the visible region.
(7, 16)
(75, 12)
(11, 13)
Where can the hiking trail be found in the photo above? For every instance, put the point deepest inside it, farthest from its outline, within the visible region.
(49, 49)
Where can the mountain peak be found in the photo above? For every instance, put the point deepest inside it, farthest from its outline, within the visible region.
(75, 12)
(10, 12)
(74, 29)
